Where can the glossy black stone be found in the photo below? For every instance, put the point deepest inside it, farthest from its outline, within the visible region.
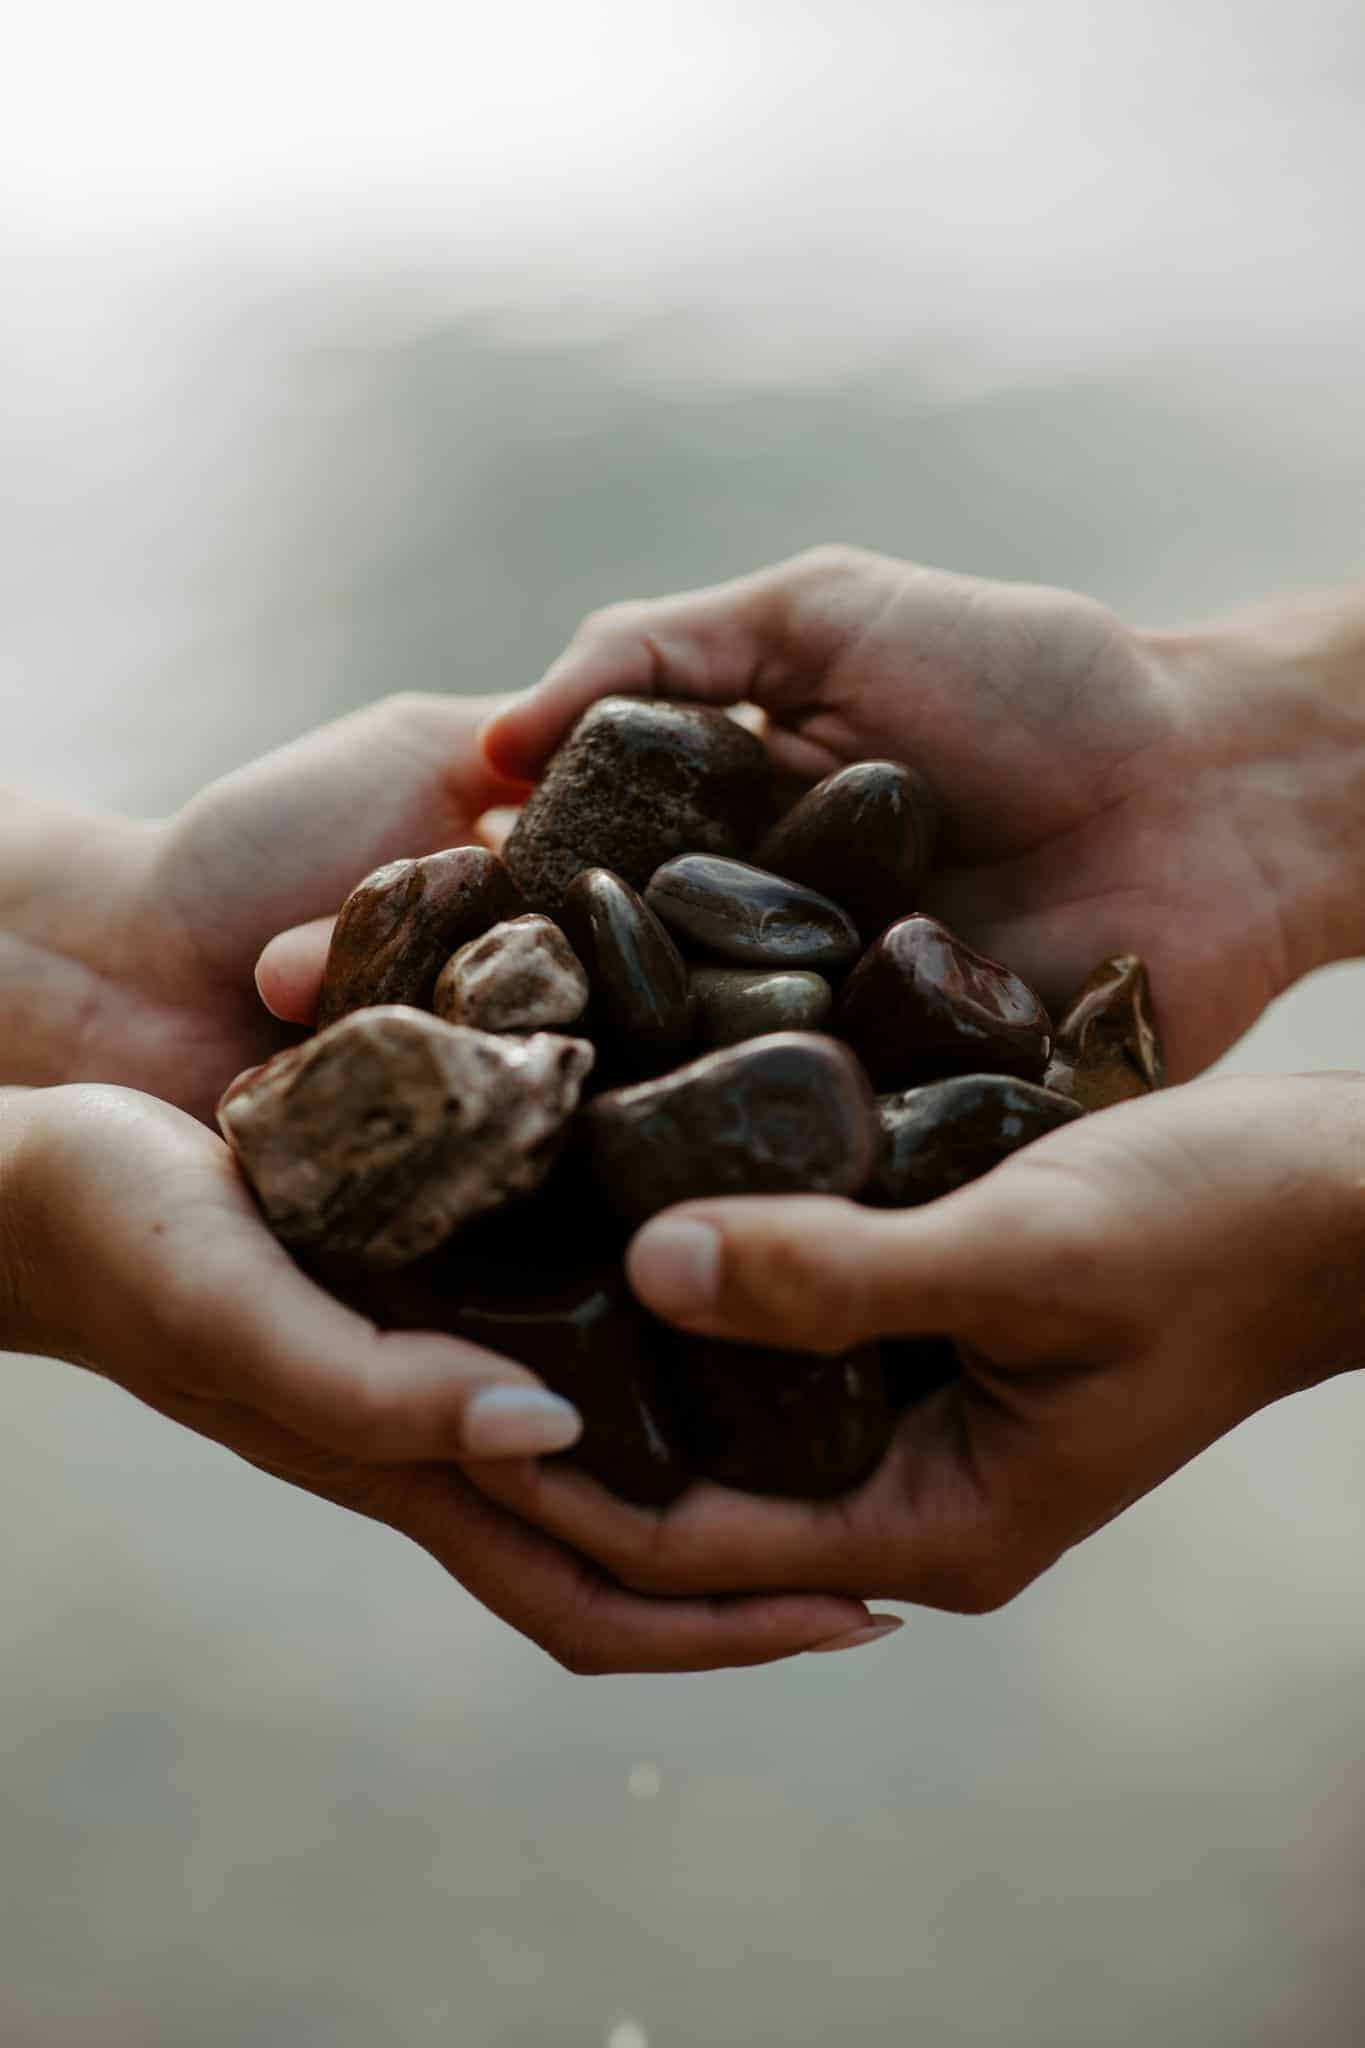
(640, 1009)
(940, 1136)
(1108, 1049)
(738, 913)
(782, 1422)
(634, 783)
(788, 1114)
(730, 1004)
(921, 1004)
(863, 836)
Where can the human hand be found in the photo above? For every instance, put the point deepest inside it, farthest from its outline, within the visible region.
(1122, 1292)
(127, 949)
(1189, 798)
(129, 1244)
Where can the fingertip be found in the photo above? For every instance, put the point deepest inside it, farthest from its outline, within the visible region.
(515, 740)
(674, 1263)
(289, 971)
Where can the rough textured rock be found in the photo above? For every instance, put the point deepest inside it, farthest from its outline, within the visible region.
(399, 927)
(783, 1422)
(788, 1114)
(730, 1004)
(634, 783)
(921, 1004)
(940, 1136)
(582, 1332)
(863, 836)
(739, 913)
(522, 975)
(639, 1009)
(1108, 1049)
(375, 1139)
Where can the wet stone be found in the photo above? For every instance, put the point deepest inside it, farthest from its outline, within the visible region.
(783, 1422)
(582, 1332)
(376, 1139)
(863, 836)
(921, 1004)
(634, 783)
(735, 912)
(522, 975)
(731, 1004)
(946, 1133)
(399, 927)
(788, 1114)
(639, 1008)
(1107, 1048)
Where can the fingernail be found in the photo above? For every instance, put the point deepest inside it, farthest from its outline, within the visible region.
(518, 1422)
(676, 1263)
(871, 1632)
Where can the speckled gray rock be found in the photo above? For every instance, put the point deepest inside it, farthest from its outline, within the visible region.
(376, 1139)
(730, 1004)
(789, 1114)
(520, 976)
(401, 924)
(634, 783)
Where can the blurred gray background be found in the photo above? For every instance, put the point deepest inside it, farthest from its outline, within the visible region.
(349, 349)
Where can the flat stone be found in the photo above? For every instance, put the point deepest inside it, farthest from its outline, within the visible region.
(639, 1009)
(731, 1004)
(946, 1133)
(863, 836)
(783, 1422)
(583, 1333)
(742, 914)
(634, 783)
(787, 1114)
(1108, 1049)
(522, 975)
(379, 1137)
(921, 1004)
(399, 927)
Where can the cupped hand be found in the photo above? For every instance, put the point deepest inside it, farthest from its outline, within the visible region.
(130, 1245)
(1100, 793)
(1122, 1293)
(140, 942)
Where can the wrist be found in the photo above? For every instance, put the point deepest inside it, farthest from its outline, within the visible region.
(1272, 708)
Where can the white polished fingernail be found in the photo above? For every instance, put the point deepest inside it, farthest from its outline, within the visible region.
(675, 1264)
(870, 1632)
(519, 1422)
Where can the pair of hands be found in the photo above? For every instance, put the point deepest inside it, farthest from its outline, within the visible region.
(1123, 1292)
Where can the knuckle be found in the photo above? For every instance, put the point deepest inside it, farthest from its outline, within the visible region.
(829, 560)
(977, 1578)
(796, 1286)
(609, 620)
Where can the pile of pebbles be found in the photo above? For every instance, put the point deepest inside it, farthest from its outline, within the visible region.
(668, 986)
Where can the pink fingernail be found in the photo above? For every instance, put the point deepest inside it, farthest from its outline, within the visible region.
(871, 1632)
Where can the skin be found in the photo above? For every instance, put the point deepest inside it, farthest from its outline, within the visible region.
(1132, 1286)
(126, 955)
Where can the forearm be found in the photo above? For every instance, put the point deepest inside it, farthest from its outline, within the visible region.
(1276, 704)
(66, 880)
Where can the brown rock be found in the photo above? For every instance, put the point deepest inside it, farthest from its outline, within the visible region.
(1108, 1049)
(520, 976)
(380, 1136)
(783, 1422)
(634, 783)
(399, 927)
(863, 836)
(787, 1114)
(938, 1137)
(921, 1004)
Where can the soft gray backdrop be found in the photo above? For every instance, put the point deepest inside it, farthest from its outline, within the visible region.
(360, 349)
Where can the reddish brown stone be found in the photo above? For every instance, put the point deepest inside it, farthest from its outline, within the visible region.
(399, 927)
(1108, 1049)
(921, 1005)
(862, 836)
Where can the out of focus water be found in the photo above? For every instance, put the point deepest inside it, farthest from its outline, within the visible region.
(1065, 292)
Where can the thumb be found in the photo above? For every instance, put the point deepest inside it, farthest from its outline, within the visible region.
(803, 1272)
